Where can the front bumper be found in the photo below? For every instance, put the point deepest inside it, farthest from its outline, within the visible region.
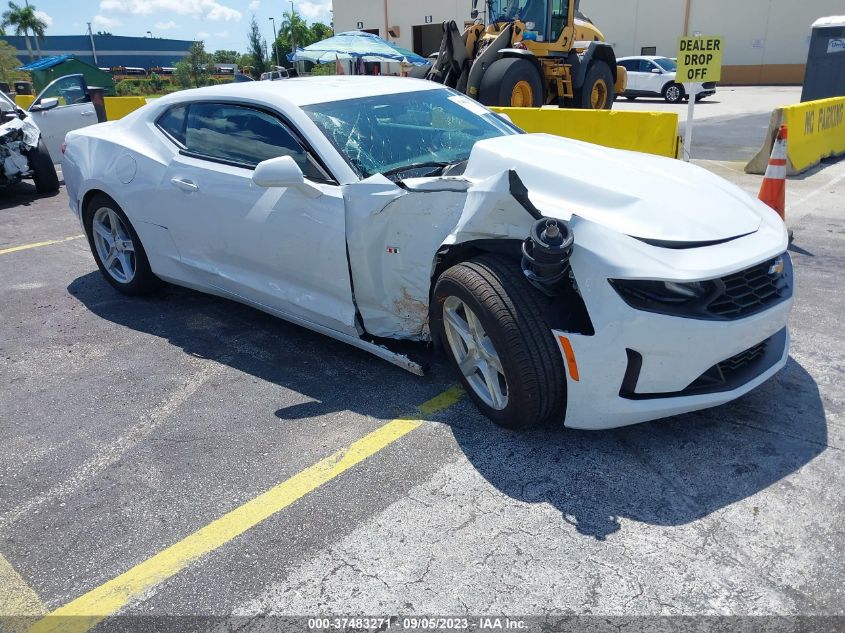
(641, 366)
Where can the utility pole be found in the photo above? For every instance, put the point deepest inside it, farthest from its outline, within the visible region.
(275, 41)
(93, 48)
(386, 23)
(292, 36)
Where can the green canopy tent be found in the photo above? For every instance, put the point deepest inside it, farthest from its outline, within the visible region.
(48, 69)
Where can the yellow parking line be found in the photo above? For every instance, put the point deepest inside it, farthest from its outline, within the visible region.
(88, 610)
(26, 247)
(17, 601)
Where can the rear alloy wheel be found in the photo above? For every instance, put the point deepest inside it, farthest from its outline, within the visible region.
(117, 249)
(673, 93)
(491, 322)
(512, 82)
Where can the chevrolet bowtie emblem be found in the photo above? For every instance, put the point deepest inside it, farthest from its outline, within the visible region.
(777, 267)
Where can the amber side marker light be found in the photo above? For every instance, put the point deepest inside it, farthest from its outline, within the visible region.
(569, 354)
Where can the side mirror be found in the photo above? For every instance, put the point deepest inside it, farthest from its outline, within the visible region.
(284, 172)
(657, 71)
(504, 117)
(44, 105)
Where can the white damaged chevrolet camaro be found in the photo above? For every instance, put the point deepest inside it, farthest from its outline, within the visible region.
(564, 281)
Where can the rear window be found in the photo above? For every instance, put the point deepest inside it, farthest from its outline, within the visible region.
(172, 123)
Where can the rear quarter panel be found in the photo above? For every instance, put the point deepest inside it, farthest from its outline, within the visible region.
(127, 161)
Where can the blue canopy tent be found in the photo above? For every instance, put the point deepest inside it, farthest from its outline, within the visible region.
(355, 45)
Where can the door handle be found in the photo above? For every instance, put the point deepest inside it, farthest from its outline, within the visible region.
(88, 113)
(185, 185)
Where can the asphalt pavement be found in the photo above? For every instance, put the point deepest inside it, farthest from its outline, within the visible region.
(138, 434)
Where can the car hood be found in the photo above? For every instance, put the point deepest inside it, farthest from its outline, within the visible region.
(639, 195)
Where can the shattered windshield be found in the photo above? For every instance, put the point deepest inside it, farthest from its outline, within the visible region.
(422, 130)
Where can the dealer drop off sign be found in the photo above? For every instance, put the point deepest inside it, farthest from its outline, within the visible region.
(700, 59)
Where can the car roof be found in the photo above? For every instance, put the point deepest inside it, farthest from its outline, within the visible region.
(651, 57)
(303, 91)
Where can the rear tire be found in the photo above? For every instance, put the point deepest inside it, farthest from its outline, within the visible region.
(511, 82)
(673, 93)
(43, 172)
(511, 316)
(106, 226)
(597, 93)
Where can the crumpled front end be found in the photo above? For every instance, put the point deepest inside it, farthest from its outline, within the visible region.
(17, 138)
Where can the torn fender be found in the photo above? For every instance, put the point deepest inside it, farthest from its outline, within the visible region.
(394, 233)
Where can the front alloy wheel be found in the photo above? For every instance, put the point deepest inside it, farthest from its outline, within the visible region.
(492, 324)
(475, 353)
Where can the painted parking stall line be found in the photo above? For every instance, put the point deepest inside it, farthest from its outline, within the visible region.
(26, 247)
(84, 613)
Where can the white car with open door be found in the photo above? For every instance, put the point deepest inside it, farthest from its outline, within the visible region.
(562, 279)
(23, 153)
(64, 105)
(653, 76)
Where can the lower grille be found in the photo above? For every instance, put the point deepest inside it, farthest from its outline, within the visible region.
(735, 363)
(709, 85)
(727, 375)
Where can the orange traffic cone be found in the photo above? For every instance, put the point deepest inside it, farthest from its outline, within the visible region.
(773, 189)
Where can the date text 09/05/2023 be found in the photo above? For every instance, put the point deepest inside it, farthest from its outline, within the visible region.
(491, 623)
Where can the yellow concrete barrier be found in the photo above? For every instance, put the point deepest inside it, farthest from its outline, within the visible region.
(24, 101)
(119, 107)
(816, 131)
(649, 132)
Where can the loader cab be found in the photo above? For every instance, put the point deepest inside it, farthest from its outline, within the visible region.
(545, 20)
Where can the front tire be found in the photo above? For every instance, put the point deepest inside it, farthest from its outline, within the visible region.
(491, 322)
(511, 83)
(118, 251)
(597, 93)
(43, 171)
(673, 93)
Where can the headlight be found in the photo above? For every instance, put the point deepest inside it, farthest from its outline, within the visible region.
(666, 297)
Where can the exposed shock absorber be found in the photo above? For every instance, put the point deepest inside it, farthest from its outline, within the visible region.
(545, 256)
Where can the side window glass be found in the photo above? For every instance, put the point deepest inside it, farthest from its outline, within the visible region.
(68, 90)
(560, 9)
(173, 123)
(242, 135)
(648, 66)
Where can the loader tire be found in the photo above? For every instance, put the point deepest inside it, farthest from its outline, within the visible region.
(512, 83)
(597, 93)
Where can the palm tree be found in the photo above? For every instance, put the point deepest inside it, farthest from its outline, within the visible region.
(24, 19)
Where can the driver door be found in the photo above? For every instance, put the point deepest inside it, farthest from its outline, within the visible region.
(272, 246)
(73, 111)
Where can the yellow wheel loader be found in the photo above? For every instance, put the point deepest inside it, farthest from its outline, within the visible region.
(530, 53)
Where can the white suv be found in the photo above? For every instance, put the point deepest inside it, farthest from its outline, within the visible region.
(650, 76)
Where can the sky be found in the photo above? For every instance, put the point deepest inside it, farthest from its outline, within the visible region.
(221, 24)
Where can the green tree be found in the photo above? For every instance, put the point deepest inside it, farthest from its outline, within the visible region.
(24, 20)
(295, 30)
(192, 70)
(320, 31)
(225, 57)
(8, 62)
(257, 49)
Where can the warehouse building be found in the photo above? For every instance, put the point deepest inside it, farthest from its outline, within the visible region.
(106, 51)
(766, 41)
